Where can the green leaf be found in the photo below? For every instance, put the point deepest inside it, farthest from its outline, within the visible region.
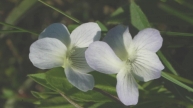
(41, 79)
(168, 77)
(102, 26)
(97, 105)
(120, 15)
(138, 18)
(54, 102)
(149, 104)
(57, 79)
(71, 27)
(44, 95)
(90, 96)
(117, 16)
(105, 82)
(118, 12)
(141, 23)
(107, 105)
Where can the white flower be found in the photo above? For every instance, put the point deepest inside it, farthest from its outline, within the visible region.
(128, 58)
(56, 47)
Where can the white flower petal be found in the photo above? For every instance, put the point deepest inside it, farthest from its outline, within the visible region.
(47, 53)
(79, 62)
(85, 34)
(148, 39)
(80, 80)
(127, 88)
(58, 31)
(119, 39)
(147, 66)
(101, 57)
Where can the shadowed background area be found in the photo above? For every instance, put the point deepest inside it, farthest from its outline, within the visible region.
(172, 17)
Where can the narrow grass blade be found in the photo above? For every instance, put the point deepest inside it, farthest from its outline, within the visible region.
(176, 13)
(18, 12)
(72, 18)
(184, 80)
(167, 63)
(11, 31)
(18, 28)
(168, 77)
(176, 34)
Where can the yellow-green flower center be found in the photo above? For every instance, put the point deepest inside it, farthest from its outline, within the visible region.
(67, 57)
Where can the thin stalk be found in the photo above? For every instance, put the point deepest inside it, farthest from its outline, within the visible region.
(18, 28)
(167, 63)
(74, 19)
(70, 101)
(110, 96)
(12, 31)
(177, 34)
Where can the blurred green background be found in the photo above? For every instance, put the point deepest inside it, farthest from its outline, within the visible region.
(174, 19)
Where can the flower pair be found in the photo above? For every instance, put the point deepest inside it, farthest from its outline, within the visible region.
(117, 53)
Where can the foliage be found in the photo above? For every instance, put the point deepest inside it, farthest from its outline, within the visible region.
(52, 89)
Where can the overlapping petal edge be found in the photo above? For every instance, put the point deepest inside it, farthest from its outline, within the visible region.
(56, 47)
(129, 58)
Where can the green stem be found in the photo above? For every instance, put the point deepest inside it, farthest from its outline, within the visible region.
(70, 101)
(110, 96)
(167, 63)
(18, 28)
(11, 31)
(176, 34)
(74, 19)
